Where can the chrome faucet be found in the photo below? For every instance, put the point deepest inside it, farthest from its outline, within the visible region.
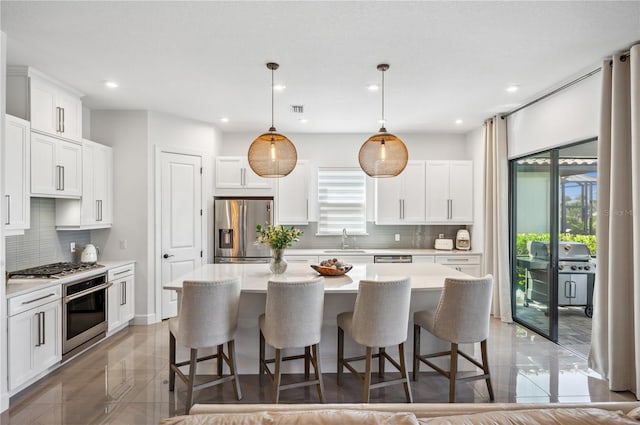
(344, 238)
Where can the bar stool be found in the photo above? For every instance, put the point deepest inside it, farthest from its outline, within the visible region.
(293, 319)
(208, 318)
(380, 319)
(462, 317)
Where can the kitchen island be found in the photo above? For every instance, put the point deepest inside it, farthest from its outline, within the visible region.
(427, 280)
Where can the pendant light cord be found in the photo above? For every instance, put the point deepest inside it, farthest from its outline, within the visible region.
(383, 123)
(272, 127)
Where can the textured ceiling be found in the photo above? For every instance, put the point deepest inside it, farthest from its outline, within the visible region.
(206, 60)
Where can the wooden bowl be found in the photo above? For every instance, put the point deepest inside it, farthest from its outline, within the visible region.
(328, 271)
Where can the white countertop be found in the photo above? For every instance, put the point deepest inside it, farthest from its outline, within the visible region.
(254, 277)
(376, 251)
(22, 286)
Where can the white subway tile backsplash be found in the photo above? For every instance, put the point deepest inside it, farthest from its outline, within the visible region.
(42, 243)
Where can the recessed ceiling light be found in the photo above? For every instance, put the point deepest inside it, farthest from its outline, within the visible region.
(373, 87)
(279, 87)
(459, 121)
(111, 84)
(224, 119)
(512, 89)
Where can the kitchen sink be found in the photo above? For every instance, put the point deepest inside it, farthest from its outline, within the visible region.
(344, 251)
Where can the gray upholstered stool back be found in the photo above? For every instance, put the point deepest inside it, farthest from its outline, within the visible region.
(381, 312)
(293, 313)
(208, 312)
(463, 312)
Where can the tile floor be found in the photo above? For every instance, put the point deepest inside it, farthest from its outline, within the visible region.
(124, 380)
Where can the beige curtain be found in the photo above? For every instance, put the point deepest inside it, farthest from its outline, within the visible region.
(615, 341)
(496, 219)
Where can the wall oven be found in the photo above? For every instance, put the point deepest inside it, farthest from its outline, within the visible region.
(84, 313)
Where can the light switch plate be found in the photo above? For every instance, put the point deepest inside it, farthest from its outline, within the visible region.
(397, 237)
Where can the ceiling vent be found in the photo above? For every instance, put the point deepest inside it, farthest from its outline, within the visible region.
(297, 109)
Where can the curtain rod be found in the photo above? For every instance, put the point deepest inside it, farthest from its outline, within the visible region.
(551, 93)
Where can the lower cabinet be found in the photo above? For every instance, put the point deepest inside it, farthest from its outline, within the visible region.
(301, 259)
(469, 264)
(120, 297)
(34, 335)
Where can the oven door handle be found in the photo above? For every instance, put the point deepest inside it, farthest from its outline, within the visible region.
(87, 292)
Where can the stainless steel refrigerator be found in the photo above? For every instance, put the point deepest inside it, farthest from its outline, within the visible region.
(235, 221)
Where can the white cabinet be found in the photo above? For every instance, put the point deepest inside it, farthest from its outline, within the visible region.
(301, 259)
(233, 172)
(422, 259)
(34, 335)
(292, 196)
(16, 174)
(52, 107)
(56, 167)
(94, 209)
(449, 192)
(120, 297)
(469, 264)
(401, 200)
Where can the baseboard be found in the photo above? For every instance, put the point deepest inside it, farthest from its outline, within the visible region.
(144, 319)
(4, 402)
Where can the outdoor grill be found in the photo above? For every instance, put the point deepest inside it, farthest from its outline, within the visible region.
(576, 274)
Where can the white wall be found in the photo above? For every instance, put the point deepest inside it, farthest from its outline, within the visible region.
(127, 132)
(569, 116)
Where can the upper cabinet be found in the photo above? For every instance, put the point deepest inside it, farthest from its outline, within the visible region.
(401, 199)
(56, 167)
(233, 172)
(52, 107)
(292, 196)
(95, 209)
(16, 174)
(449, 192)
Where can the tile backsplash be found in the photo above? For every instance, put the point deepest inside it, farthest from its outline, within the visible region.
(42, 243)
(411, 236)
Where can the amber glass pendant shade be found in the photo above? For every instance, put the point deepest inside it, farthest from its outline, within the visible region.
(383, 155)
(272, 155)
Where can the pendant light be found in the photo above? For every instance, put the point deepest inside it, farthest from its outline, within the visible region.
(383, 154)
(271, 154)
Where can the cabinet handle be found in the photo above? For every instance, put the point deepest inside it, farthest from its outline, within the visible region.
(57, 177)
(123, 292)
(8, 209)
(400, 208)
(62, 167)
(306, 211)
(403, 215)
(98, 209)
(122, 272)
(37, 315)
(62, 126)
(58, 118)
(37, 299)
(44, 341)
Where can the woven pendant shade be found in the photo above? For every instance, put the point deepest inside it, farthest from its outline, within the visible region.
(272, 155)
(383, 155)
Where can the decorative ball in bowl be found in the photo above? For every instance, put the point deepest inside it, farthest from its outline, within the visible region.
(332, 267)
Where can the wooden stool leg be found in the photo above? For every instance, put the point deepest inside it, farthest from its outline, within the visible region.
(172, 361)
(404, 374)
(452, 373)
(416, 351)
(318, 372)
(262, 365)
(220, 358)
(340, 355)
(275, 394)
(381, 360)
(192, 379)
(307, 358)
(485, 367)
(367, 376)
(232, 367)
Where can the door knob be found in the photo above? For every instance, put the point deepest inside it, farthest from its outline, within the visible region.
(167, 256)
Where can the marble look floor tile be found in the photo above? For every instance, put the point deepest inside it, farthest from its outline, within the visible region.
(124, 380)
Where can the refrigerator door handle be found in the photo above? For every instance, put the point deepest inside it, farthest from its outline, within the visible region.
(245, 233)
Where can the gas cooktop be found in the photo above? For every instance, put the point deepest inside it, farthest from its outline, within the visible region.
(54, 270)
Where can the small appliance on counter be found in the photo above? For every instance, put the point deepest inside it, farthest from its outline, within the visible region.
(443, 244)
(89, 254)
(463, 240)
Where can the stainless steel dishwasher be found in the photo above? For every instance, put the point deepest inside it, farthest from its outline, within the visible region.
(392, 259)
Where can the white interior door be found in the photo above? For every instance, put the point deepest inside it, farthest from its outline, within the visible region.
(181, 221)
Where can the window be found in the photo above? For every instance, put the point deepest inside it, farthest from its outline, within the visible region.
(342, 201)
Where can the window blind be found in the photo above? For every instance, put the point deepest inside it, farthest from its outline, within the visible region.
(341, 201)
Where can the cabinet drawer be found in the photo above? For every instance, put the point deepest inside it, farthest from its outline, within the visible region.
(303, 259)
(33, 299)
(120, 272)
(458, 259)
(423, 259)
